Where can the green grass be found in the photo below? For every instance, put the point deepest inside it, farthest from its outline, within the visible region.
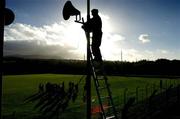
(18, 87)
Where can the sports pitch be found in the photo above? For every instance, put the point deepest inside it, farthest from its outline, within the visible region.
(18, 87)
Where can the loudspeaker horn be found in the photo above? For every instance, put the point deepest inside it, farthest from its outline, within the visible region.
(9, 16)
(70, 10)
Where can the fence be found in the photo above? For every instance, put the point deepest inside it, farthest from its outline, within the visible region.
(150, 95)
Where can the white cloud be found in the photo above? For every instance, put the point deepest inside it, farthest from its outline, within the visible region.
(162, 51)
(136, 55)
(67, 40)
(64, 39)
(144, 38)
(131, 55)
(117, 37)
(23, 39)
(167, 54)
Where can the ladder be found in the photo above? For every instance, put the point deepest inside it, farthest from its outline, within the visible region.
(103, 91)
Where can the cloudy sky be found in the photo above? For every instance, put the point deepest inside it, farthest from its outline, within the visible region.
(140, 29)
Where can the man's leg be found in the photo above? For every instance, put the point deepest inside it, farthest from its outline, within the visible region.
(96, 42)
(94, 50)
(98, 54)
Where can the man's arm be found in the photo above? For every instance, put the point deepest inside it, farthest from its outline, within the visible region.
(87, 26)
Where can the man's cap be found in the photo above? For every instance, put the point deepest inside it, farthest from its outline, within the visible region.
(94, 11)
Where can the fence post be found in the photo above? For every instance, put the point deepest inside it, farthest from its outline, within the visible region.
(142, 92)
(125, 95)
(147, 85)
(161, 88)
(137, 93)
(151, 88)
(166, 85)
(122, 102)
(178, 93)
(154, 87)
(161, 84)
(175, 83)
(171, 83)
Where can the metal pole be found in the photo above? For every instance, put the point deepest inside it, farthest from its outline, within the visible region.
(88, 78)
(2, 6)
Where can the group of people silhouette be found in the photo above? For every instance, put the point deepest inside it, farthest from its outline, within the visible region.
(59, 90)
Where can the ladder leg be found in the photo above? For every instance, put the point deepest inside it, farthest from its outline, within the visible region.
(106, 88)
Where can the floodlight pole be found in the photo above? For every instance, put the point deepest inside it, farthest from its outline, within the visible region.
(88, 78)
(2, 7)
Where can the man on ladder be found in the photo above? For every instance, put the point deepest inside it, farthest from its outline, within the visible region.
(94, 25)
(107, 111)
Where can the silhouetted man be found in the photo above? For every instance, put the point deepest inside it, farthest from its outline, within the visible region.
(94, 25)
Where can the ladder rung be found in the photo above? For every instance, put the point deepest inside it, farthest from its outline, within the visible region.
(98, 71)
(105, 97)
(100, 78)
(102, 88)
(107, 107)
(96, 62)
(110, 117)
(97, 65)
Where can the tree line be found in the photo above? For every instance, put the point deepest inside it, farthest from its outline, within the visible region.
(165, 67)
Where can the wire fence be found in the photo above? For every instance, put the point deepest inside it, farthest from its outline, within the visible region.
(142, 93)
(151, 95)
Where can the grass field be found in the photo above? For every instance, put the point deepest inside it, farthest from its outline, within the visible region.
(18, 87)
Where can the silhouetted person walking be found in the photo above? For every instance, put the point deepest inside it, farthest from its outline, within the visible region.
(94, 25)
